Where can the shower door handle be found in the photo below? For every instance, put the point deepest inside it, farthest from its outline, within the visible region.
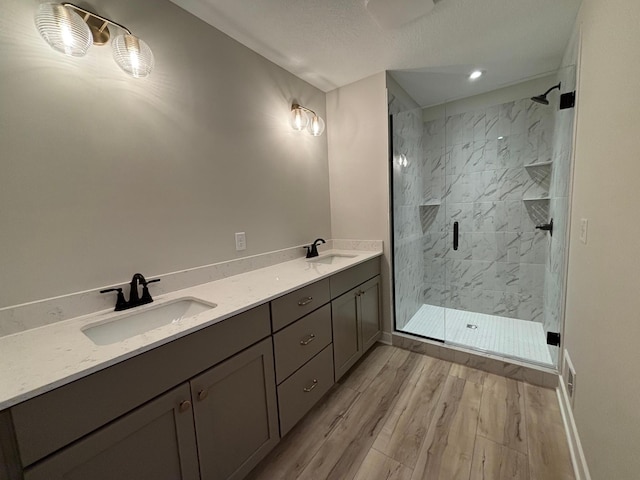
(455, 235)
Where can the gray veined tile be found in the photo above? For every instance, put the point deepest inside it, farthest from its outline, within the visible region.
(507, 277)
(463, 213)
(504, 119)
(533, 247)
(479, 127)
(453, 130)
(491, 122)
(468, 120)
(519, 116)
(485, 216)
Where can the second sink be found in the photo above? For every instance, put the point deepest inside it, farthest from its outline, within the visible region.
(135, 323)
(330, 258)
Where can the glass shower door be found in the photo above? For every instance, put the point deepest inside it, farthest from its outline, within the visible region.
(417, 170)
(497, 189)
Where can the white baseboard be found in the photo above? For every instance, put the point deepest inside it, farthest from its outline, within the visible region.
(385, 338)
(580, 467)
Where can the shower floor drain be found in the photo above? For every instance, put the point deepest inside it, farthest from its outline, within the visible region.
(472, 326)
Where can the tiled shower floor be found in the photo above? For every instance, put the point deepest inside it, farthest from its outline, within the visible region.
(500, 335)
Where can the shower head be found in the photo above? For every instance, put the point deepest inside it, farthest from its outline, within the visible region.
(542, 99)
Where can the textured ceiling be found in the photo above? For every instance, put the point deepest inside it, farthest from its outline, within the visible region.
(331, 43)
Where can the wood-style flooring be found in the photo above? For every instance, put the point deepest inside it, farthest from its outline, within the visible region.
(399, 415)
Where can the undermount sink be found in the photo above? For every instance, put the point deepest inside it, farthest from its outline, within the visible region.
(330, 258)
(134, 323)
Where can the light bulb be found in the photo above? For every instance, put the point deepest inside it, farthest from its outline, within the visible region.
(63, 29)
(475, 75)
(316, 126)
(299, 119)
(133, 55)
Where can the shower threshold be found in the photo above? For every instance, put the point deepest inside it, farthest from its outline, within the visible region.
(509, 337)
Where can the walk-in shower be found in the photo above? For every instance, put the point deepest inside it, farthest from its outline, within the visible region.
(480, 196)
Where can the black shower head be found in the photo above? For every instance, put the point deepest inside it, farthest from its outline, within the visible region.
(542, 99)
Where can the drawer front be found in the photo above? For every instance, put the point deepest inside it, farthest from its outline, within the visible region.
(300, 341)
(303, 389)
(287, 309)
(344, 281)
(57, 418)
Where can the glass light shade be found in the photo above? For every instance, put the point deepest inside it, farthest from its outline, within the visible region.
(299, 119)
(132, 55)
(63, 29)
(316, 126)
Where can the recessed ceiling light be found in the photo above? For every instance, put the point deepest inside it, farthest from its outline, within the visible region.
(475, 75)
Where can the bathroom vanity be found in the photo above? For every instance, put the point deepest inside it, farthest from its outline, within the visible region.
(209, 404)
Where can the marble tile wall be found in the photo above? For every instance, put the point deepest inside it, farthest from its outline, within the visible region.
(474, 165)
(407, 195)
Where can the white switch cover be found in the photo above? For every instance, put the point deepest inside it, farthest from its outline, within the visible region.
(241, 241)
(583, 230)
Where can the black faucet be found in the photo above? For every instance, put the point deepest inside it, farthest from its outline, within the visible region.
(134, 299)
(312, 250)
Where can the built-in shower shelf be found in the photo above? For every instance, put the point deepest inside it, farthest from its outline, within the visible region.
(431, 203)
(536, 199)
(541, 164)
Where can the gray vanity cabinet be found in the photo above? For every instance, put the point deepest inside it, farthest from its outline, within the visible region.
(235, 413)
(155, 441)
(356, 324)
(370, 312)
(347, 343)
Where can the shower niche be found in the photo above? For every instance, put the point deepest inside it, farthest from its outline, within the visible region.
(476, 183)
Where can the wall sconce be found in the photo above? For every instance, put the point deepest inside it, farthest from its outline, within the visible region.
(302, 117)
(71, 30)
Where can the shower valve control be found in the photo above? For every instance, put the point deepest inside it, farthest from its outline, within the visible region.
(547, 227)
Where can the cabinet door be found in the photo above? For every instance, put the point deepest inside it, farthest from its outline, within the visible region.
(235, 413)
(347, 343)
(155, 441)
(370, 312)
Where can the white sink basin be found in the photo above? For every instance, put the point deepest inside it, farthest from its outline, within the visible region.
(134, 323)
(330, 258)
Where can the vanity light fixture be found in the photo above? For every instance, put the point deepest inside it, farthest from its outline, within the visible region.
(71, 30)
(304, 118)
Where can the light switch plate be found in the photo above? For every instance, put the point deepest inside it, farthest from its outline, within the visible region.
(241, 241)
(584, 223)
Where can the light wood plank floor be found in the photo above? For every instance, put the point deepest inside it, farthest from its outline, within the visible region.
(399, 415)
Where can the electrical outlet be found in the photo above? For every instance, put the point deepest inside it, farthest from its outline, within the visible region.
(584, 224)
(241, 241)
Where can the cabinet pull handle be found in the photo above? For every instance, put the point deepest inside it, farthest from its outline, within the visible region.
(308, 339)
(305, 301)
(185, 406)
(202, 394)
(313, 385)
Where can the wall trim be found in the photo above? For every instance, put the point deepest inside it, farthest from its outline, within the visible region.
(386, 338)
(580, 467)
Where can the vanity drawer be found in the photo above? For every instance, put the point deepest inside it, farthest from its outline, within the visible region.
(55, 419)
(288, 308)
(344, 281)
(302, 390)
(300, 341)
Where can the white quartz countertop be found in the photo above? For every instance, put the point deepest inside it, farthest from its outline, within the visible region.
(39, 360)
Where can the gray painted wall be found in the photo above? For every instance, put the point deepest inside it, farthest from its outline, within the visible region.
(104, 175)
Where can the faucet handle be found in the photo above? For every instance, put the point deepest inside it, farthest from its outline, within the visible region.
(121, 303)
(146, 296)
